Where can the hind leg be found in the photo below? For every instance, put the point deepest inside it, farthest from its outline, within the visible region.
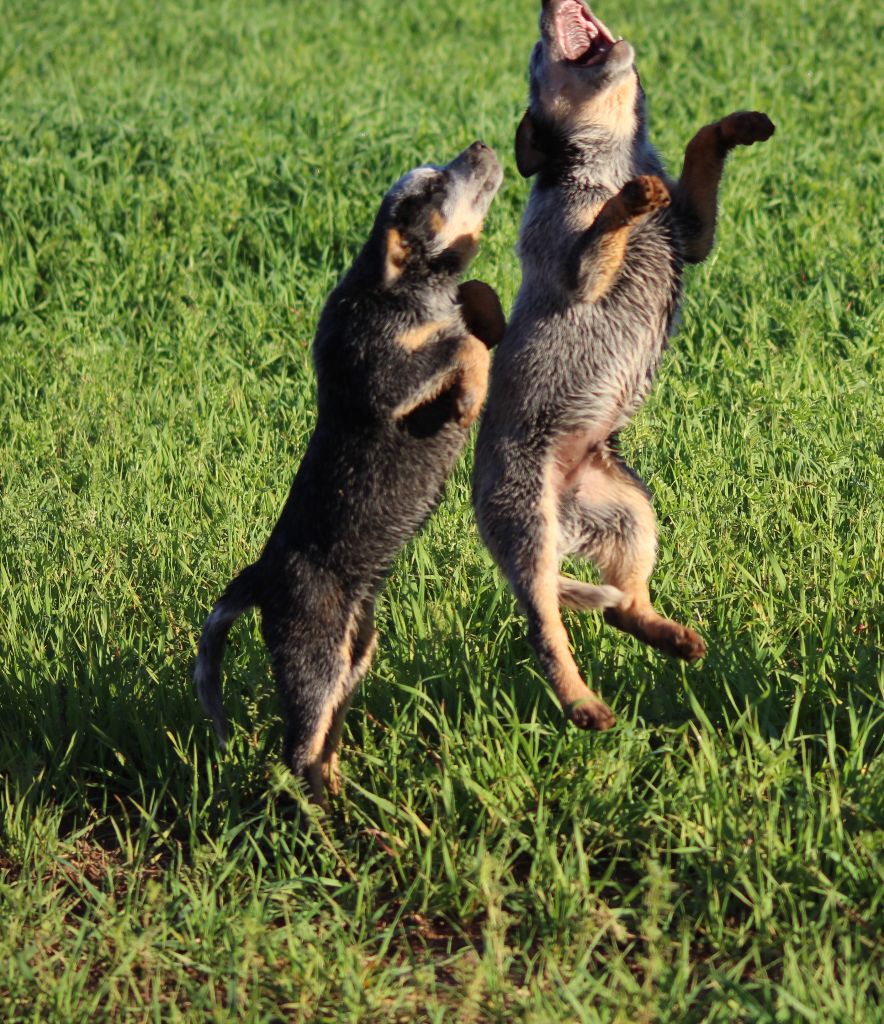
(364, 645)
(522, 534)
(617, 530)
(312, 663)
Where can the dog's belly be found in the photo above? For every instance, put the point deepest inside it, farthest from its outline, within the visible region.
(361, 494)
(568, 364)
(570, 373)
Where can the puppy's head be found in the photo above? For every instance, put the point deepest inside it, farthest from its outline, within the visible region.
(583, 81)
(430, 221)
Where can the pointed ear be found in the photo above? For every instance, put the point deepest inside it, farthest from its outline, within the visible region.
(395, 255)
(529, 159)
(482, 311)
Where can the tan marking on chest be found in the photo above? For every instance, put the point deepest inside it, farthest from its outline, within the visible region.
(613, 109)
(417, 337)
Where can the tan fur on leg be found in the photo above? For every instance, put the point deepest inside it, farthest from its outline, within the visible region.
(474, 361)
(330, 759)
(314, 773)
(600, 252)
(584, 707)
(625, 557)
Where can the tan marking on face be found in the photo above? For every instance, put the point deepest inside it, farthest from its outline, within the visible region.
(613, 109)
(416, 337)
(569, 101)
(461, 228)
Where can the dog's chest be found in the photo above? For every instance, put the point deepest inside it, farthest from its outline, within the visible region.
(550, 227)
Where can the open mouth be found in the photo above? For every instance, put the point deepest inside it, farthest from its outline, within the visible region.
(583, 39)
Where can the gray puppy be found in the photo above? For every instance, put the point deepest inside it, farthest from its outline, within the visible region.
(602, 245)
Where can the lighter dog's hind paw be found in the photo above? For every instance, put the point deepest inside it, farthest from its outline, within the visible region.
(685, 643)
(670, 637)
(591, 713)
(331, 775)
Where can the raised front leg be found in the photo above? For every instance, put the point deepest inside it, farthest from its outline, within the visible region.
(456, 392)
(455, 369)
(695, 197)
(598, 254)
(474, 362)
(482, 312)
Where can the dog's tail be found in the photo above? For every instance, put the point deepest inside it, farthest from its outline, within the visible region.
(239, 596)
(583, 597)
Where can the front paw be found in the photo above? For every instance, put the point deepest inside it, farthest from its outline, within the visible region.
(469, 405)
(744, 128)
(472, 387)
(643, 195)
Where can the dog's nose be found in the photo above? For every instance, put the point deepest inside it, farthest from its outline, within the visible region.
(478, 153)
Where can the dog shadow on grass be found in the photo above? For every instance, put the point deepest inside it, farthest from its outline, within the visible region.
(115, 737)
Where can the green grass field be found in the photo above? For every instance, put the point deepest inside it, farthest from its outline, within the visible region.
(180, 187)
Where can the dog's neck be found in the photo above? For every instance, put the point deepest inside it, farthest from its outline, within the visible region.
(597, 161)
(595, 158)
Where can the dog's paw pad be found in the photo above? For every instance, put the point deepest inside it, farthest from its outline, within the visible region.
(746, 127)
(591, 713)
(645, 194)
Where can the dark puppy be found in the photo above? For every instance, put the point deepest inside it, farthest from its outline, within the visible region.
(602, 245)
(401, 358)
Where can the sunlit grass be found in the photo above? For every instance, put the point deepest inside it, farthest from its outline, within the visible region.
(180, 186)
